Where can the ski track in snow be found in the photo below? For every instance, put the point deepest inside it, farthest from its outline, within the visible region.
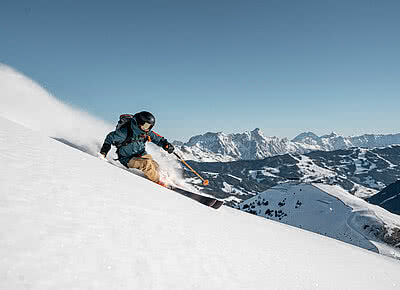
(351, 224)
(391, 165)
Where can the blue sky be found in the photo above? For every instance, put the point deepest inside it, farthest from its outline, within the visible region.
(282, 66)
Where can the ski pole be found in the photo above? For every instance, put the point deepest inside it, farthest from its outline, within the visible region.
(205, 181)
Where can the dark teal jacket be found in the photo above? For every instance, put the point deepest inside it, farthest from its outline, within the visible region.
(136, 148)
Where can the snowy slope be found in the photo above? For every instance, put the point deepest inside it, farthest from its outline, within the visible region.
(71, 221)
(25, 102)
(331, 211)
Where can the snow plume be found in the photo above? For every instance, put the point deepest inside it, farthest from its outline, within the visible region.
(27, 103)
(170, 169)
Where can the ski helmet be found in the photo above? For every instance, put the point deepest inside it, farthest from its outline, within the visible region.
(145, 120)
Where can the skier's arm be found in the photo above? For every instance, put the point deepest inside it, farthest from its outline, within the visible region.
(161, 141)
(112, 138)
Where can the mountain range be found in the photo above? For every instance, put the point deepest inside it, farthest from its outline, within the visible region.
(253, 145)
(361, 172)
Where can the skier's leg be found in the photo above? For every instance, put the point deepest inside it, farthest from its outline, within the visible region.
(147, 165)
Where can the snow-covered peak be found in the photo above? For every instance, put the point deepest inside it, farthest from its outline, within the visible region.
(333, 134)
(257, 131)
(237, 146)
(306, 137)
(254, 144)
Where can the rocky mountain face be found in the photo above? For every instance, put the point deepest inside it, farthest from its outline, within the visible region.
(388, 198)
(255, 145)
(243, 146)
(362, 172)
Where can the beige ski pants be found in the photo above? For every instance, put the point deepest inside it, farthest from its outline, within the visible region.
(147, 165)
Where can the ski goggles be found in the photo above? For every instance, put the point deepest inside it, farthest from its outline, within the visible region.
(146, 126)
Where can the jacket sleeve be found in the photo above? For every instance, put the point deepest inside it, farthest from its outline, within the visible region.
(113, 138)
(157, 139)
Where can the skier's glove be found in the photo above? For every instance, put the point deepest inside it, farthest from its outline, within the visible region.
(102, 156)
(169, 147)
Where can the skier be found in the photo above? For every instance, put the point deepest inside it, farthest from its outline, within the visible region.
(130, 140)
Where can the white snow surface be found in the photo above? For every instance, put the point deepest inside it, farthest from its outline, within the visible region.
(327, 210)
(72, 221)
